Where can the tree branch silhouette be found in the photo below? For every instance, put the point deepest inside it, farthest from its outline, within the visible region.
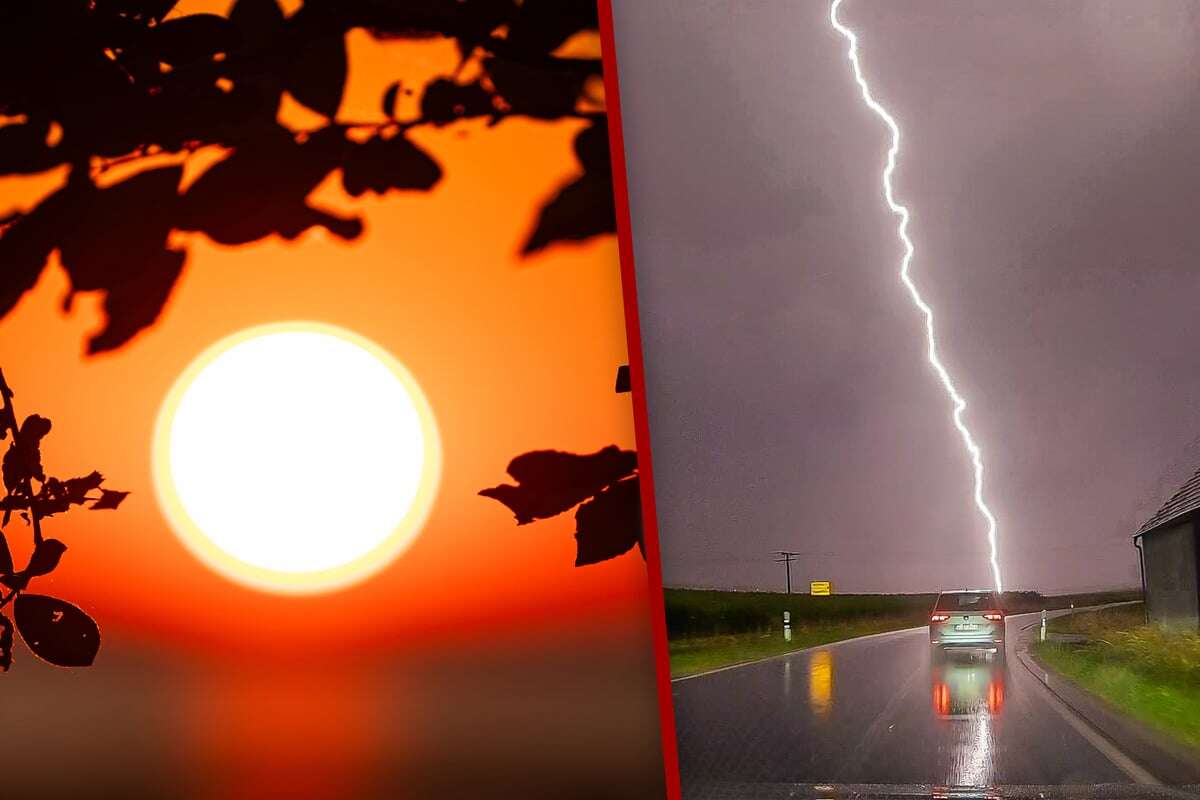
(109, 87)
(53, 629)
(121, 83)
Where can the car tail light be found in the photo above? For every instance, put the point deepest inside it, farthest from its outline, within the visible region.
(939, 618)
(995, 616)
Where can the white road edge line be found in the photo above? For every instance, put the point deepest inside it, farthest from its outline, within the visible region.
(1093, 736)
(1084, 728)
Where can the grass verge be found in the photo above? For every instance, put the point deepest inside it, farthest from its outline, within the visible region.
(693, 654)
(1148, 672)
(1100, 622)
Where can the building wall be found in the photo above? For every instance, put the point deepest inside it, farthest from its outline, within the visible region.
(1172, 592)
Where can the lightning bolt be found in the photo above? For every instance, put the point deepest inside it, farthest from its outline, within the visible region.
(900, 211)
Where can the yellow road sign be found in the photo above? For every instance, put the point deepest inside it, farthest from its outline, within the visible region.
(821, 588)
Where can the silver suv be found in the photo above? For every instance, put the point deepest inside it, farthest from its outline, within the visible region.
(968, 619)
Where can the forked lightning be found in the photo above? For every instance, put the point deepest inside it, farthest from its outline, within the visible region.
(900, 211)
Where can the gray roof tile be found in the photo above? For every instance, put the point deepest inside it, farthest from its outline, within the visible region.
(1186, 500)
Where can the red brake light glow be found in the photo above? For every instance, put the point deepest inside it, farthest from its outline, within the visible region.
(995, 616)
(941, 699)
(939, 618)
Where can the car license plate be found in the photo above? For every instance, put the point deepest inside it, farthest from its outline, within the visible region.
(966, 627)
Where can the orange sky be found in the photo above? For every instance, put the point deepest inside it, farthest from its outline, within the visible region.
(513, 355)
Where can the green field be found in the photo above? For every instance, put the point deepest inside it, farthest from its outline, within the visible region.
(709, 629)
(1149, 672)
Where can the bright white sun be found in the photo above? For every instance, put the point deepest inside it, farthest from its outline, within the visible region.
(296, 457)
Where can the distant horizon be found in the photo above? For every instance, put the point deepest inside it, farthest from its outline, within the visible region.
(1054, 593)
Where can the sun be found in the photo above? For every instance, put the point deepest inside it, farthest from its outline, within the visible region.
(296, 457)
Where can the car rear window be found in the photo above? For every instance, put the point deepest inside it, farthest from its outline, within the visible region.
(967, 601)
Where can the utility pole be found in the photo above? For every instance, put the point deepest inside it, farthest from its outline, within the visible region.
(786, 557)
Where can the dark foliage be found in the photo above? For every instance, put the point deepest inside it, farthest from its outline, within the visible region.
(550, 482)
(93, 85)
(584, 207)
(53, 629)
(624, 381)
(609, 524)
(56, 631)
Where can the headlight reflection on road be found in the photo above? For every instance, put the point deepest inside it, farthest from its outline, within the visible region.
(969, 695)
(965, 689)
(820, 683)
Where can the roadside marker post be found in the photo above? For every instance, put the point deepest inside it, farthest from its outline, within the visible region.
(787, 626)
(1043, 624)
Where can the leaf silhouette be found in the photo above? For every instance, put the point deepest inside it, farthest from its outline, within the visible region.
(610, 524)
(381, 164)
(194, 37)
(266, 181)
(25, 244)
(109, 499)
(114, 240)
(45, 557)
(77, 488)
(25, 461)
(6, 642)
(388, 104)
(535, 90)
(6, 562)
(56, 631)
(551, 482)
(149, 9)
(257, 20)
(445, 101)
(542, 25)
(624, 382)
(57, 496)
(23, 149)
(583, 208)
(133, 306)
(317, 70)
(16, 581)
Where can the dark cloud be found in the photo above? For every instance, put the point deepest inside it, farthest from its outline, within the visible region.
(1051, 162)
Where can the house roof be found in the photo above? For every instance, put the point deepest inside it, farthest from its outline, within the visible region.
(1183, 502)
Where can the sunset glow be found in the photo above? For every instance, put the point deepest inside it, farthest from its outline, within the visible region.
(296, 457)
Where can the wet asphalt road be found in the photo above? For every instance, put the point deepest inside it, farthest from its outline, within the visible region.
(880, 710)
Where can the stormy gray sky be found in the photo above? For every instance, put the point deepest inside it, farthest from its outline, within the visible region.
(1051, 158)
